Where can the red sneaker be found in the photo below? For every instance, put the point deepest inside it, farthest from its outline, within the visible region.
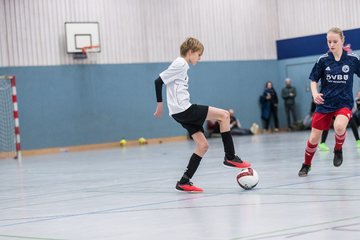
(236, 162)
(188, 187)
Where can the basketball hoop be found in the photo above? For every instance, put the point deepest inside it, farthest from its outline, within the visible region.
(84, 51)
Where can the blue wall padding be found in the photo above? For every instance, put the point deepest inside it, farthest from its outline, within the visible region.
(312, 45)
(87, 104)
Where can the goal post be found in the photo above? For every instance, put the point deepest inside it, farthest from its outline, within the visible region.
(9, 119)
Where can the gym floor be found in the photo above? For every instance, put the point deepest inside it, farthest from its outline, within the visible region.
(129, 193)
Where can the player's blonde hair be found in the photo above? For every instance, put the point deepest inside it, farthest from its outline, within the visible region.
(191, 44)
(338, 31)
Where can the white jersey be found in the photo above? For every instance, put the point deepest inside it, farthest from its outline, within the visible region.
(176, 81)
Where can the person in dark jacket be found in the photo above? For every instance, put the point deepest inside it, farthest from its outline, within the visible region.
(288, 93)
(269, 106)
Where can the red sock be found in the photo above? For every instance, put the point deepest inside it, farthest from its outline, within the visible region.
(309, 152)
(339, 141)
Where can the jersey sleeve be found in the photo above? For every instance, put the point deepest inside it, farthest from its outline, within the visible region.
(175, 70)
(158, 89)
(316, 72)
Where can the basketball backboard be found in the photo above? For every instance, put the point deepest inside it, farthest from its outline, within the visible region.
(82, 35)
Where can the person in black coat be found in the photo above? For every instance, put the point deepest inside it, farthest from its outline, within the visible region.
(269, 106)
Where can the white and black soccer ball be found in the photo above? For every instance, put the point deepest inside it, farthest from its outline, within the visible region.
(247, 178)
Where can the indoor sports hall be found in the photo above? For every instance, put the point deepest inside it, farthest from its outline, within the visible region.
(82, 156)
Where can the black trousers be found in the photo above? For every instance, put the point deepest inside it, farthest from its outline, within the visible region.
(273, 114)
(290, 110)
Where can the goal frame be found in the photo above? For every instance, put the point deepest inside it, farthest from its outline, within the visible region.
(15, 116)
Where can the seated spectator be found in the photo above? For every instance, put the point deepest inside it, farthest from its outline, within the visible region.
(213, 127)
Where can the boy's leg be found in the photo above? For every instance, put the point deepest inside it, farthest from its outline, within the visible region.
(223, 117)
(340, 123)
(201, 143)
(201, 147)
(194, 162)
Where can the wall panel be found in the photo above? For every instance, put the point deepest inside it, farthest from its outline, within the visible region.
(97, 103)
(140, 31)
(3, 37)
(307, 17)
(136, 31)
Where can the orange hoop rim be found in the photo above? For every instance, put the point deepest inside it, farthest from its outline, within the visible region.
(83, 49)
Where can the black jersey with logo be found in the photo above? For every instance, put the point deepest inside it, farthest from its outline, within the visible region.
(336, 79)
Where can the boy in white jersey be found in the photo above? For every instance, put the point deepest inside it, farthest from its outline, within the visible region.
(192, 116)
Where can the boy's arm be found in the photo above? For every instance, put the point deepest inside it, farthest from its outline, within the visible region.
(158, 88)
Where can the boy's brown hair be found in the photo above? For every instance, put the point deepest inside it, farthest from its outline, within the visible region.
(191, 44)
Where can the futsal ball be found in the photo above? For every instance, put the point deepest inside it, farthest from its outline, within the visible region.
(142, 141)
(247, 178)
(122, 142)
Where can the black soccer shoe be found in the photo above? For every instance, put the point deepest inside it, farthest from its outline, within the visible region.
(305, 169)
(338, 158)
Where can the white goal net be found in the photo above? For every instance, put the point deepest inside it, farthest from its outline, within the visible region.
(9, 123)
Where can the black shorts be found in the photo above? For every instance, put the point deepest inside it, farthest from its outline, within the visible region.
(193, 118)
